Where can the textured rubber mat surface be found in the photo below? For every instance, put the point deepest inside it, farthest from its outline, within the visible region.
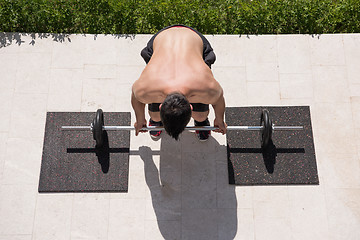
(290, 157)
(72, 163)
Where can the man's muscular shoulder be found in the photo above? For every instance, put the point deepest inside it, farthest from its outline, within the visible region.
(146, 92)
(214, 91)
(206, 91)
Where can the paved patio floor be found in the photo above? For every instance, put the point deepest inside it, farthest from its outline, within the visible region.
(181, 193)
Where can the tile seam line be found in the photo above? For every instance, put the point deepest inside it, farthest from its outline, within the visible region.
(49, 81)
(312, 69)
(12, 100)
(246, 78)
(72, 216)
(108, 216)
(34, 217)
(82, 87)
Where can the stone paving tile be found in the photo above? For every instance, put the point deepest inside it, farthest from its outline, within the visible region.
(354, 90)
(63, 81)
(229, 196)
(229, 50)
(236, 224)
(90, 216)
(263, 93)
(343, 212)
(327, 50)
(295, 86)
(98, 93)
(352, 57)
(355, 107)
(162, 229)
(3, 145)
(330, 84)
(17, 209)
(28, 115)
(330, 123)
(33, 73)
(16, 237)
(179, 190)
(233, 82)
(199, 224)
(129, 47)
(6, 99)
(53, 216)
(308, 212)
(69, 54)
(272, 228)
(21, 161)
(127, 219)
(198, 181)
(294, 54)
(37, 43)
(9, 65)
(100, 50)
(261, 49)
(262, 72)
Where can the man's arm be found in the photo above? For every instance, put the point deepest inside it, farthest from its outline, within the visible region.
(219, 109)
(139, 109)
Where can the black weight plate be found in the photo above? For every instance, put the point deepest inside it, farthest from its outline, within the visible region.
(97, 129)
(266, 132)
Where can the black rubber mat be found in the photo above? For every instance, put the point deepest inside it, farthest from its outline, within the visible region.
(72, 163)
(289, 158)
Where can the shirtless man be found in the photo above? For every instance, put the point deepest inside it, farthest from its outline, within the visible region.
(178, 84)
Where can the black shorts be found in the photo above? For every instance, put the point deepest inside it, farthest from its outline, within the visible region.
(208, 56)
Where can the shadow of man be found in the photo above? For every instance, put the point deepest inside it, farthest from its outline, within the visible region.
(191, 196)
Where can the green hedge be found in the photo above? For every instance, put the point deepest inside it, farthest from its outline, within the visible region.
(207, 16)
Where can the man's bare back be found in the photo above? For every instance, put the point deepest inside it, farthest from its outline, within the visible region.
(177, 65)
(178, 61)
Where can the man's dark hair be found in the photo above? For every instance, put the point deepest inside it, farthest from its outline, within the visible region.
(175, 114)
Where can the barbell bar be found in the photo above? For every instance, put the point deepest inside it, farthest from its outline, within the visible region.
(155, 128)
(266, 128)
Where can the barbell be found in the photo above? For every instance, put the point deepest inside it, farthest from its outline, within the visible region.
(266, 128)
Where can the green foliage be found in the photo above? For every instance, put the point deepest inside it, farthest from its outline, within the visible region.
(207, 16)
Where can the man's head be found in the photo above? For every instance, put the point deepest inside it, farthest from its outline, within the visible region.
(175, 113)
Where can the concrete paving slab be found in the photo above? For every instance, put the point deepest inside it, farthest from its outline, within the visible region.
(233, 81)
(17, 209)
(261, 49)
(262, 72)
(308, 212)
(294, 54)
(69, 53)
(330, 84)
(327, 50)
(224, 49)
(27, 115)
(352, 57)
(53, 216)
(21, 165)
(6, 99)
(90, 216)
(294, 86)
(9, 66)
(263, 93)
